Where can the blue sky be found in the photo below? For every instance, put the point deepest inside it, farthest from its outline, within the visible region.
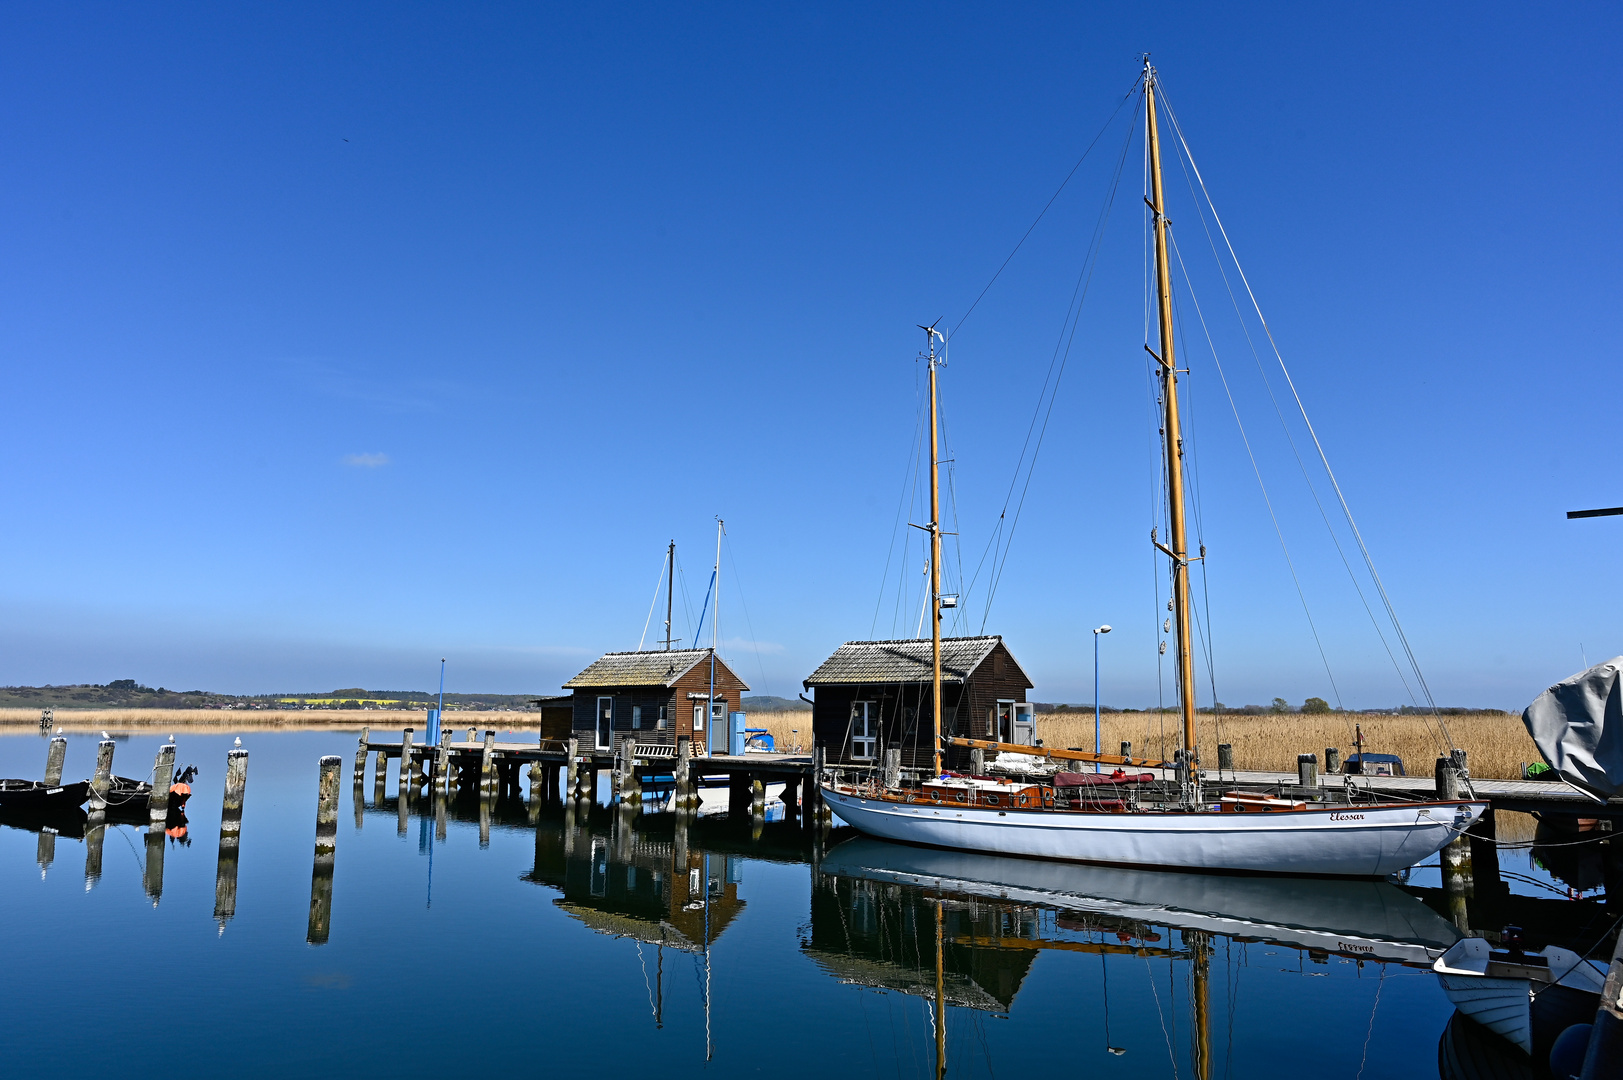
(341, 338)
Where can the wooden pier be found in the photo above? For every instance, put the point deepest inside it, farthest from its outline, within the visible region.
(563, 769)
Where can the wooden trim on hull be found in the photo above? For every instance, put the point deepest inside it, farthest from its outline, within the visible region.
(1359, 841)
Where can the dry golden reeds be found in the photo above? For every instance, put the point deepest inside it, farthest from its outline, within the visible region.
(1497, 745)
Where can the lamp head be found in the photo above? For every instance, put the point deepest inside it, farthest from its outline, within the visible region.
(1103, 629)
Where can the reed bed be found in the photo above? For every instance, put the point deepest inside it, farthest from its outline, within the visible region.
(1497, 745)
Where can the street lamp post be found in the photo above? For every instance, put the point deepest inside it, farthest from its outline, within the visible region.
(1098, 747)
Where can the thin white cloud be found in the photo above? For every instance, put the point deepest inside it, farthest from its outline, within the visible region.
(366, 461)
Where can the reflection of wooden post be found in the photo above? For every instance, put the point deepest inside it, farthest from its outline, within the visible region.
(93, 842)
(569, 827)
(326, 851)
(484, 818)
(441, 815)
(103, 778)
(940, 1002)
(152, 876)
(54, 757)
(163, 777)
(1457, 885)
(45, 850)
(225, 870)
(758, 796)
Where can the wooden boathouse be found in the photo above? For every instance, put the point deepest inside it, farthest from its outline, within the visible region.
(873, 696)
(654, 698)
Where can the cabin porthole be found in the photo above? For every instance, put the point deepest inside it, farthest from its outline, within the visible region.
(991, 800)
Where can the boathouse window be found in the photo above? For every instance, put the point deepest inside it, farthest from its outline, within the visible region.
(636, 718)
(698, 716)
(663, 720)
(864, 729)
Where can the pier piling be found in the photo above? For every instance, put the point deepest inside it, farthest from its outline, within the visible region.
(1307, 770)
(1447, 777)
(408, 767)
(102, 780)
(1225, 757)
(163, 777)
(360, 760)
(977, 762)
(571, 770)
(225, 869)
(683, 795)
(1332, 760)
(442, 764)
(326, 850)
(893, 768)
(487, 764)
(54, 757)
(380, 778)
(1127, 752)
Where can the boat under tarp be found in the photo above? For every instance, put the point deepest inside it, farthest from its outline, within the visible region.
(1578, 727)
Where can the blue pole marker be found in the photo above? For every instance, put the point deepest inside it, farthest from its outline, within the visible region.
(434, 714)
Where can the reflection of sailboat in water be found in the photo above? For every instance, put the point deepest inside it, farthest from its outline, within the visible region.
(962, 929)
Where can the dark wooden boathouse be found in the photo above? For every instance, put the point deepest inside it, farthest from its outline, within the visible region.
(653, 698)
(873, 696)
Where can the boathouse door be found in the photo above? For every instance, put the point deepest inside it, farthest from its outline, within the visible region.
(605, 723)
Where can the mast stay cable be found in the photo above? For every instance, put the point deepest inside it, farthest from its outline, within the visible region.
(1324, 459)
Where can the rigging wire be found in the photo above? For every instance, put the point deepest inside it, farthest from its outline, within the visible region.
(1324, 459)
(1131, 93)
(657, 586)
(1268, 501)
(1289, 438)
(901, 504)
(738, 587)
(1051, 383)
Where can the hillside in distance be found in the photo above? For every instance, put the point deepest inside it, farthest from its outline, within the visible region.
(131, 694)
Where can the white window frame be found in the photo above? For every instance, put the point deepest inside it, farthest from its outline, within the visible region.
(867, 736)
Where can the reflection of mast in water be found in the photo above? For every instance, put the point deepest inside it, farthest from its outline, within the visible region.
(1198, 943)
(940, 1002)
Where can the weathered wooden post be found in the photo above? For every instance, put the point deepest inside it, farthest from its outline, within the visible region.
(1332, 760)
(487, 764)
(102, 781)
(1307, 770)
(407, 781)
(1127, 752)
(977, 762)
(442, 764)
(571, 769)
(1225, 757)
(47, 718)
(1604, 1058)
(225, 869)
(360, 760)
(1447, 779)
(1458, 756)
(682, 796)
(163, 777)
(54, 757)
(380, 778)
(326, 851)
(820, 813)
(893, 769)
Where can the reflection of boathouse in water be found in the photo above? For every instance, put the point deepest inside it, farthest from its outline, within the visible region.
(636, 883)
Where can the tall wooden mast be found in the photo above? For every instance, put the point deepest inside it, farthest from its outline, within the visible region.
(930, 334)
(1171, 430)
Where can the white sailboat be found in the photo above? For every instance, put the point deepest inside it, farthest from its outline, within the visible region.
(1187, 831)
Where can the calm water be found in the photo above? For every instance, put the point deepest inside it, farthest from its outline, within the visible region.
(534, 941)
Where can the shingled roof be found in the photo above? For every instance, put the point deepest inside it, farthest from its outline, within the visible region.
(904, 660)
(657, 668)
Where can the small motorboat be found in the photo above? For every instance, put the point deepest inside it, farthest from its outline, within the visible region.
(1497, 987)
(36, 796)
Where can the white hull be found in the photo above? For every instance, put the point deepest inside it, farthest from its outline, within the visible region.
(1345, 841)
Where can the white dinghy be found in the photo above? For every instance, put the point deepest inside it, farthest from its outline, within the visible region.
(1495, 987)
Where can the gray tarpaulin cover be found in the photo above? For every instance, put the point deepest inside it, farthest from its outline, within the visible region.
(1578, 726)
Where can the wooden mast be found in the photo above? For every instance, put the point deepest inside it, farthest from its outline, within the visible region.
(1171, 430)
(935, 568)
(670, 586)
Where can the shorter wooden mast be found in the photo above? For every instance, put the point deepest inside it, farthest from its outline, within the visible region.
(930, 334)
